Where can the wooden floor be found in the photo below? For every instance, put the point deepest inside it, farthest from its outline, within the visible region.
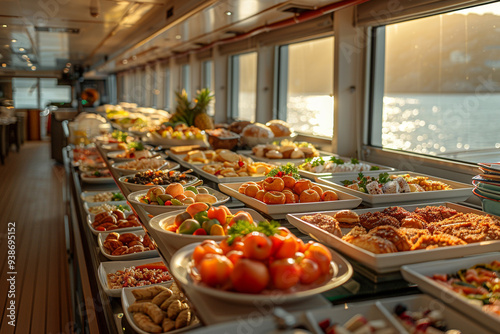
(31, 197)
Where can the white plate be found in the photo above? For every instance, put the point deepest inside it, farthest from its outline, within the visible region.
(86, 195)
(417, 273)
(87, 206)
(111, 267)
(90, 220)
(180, 159)
(158, 209)
(279, 211)
(383, 309)
(115, 156)
(384, 263)
(134, 256)
(97, 180)
(122, 171)
(136, 187)
(459, 193)
(128, 299)
(180, 263)
(315, 176)
(173, 241)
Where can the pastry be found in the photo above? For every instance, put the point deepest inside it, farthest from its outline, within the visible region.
(257, 130)
(347, 218)
(279, 128)
(372, 244)
(391, 233)
(325, 222)
(238, 126)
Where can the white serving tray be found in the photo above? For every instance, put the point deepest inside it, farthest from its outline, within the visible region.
(88, 205)
(198, 170)
(86, 194)
(134, 256)
(459, 193)
(112, 267)
(316, 176)
(96, 180)
(384, 263)
(90, 220)
(122, 171)
(128, 299)
(279, 211)
(417, 273)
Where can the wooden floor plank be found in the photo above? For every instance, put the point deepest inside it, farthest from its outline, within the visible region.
(30, 194)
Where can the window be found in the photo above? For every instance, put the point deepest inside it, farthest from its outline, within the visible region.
(244, 86)
(186, 79)
(50, 92)
(305, 86)
(154, 87)
(25, 92)
(207, 80)
(166, 87)
(441, 85)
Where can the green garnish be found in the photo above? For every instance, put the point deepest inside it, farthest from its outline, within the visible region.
(243, 227)
(336, 160)
(117, 197)
(137, 145)
(383, 178)
(120, 136)
(317, 161)
(123, 207)
(97, 173)
(374, 168)
(354, 161)
(288, 169)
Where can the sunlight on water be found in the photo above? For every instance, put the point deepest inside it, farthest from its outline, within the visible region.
(311, 114)
(441, 124)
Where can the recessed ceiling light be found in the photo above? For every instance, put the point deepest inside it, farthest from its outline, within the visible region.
(21, 49)
(66, 70)
(178, 36)
(4, 65)
(24, 56)
(29, 64)
(33, 68)
(124, 61)
(14, 40)
(4, 25)
(68, 64)
(134, 57)
(228, 13)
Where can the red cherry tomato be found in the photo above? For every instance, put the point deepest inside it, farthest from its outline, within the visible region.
(321, 255)
(285, 273)
(206, 247)
(249, 276)
(257, 246)
(215, 269)
(309, 271)
(288, 248)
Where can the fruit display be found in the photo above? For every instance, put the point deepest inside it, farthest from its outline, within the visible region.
(423, 321)
(176, 194)
(106, 196)
(159, 177)
(126, 243)
(261, 258)
(394, 184)
(146, 274)
(284, 186)
(158, 309)
(203, 219)
(335, 165)
(193, 113)
(396, 229)
(286, 149)
(356, 325)
(179, 131)
(107, 221)
(479, 284)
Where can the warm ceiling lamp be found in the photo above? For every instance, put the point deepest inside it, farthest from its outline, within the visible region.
(68, 64)
(228, 13)
(14, 40)
(4, 65)
(4, 25)
(178, 36)
(21, 49)
(33, 68)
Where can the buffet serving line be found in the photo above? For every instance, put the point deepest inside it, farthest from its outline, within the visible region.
(376, 252)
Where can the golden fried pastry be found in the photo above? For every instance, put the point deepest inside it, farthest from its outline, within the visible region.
(373, 244)
(413, 234)
(120, 250)
(397, 212)
(414, 221)
(152, 310)
(347, 218)
(435, 213)
(437, 240)
(145, 323)
(371, 220)
(355, 231)
(391, 233)
(128, 237)
(325, 222)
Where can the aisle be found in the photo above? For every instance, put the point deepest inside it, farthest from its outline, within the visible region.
(31, 196)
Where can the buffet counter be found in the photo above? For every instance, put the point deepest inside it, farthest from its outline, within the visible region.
(103, 314)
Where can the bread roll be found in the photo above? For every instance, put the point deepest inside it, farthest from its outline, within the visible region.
(238, 126)
(279, 128)
(257, 130)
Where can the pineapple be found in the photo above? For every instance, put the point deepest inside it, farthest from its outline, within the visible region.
(201, 119)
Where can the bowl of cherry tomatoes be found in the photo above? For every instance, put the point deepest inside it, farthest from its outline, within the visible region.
(259, 263)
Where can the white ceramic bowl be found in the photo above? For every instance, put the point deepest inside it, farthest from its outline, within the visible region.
(159, 209)
(177, 241)
(123, 171)
(136, 187)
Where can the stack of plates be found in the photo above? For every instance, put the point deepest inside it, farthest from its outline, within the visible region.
(487, 187)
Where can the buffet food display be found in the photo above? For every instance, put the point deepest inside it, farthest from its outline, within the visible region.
(220, 251)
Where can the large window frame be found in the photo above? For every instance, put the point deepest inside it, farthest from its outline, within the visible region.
(234, 84)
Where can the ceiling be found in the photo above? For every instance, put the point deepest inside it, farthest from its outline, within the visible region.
(47, 36)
